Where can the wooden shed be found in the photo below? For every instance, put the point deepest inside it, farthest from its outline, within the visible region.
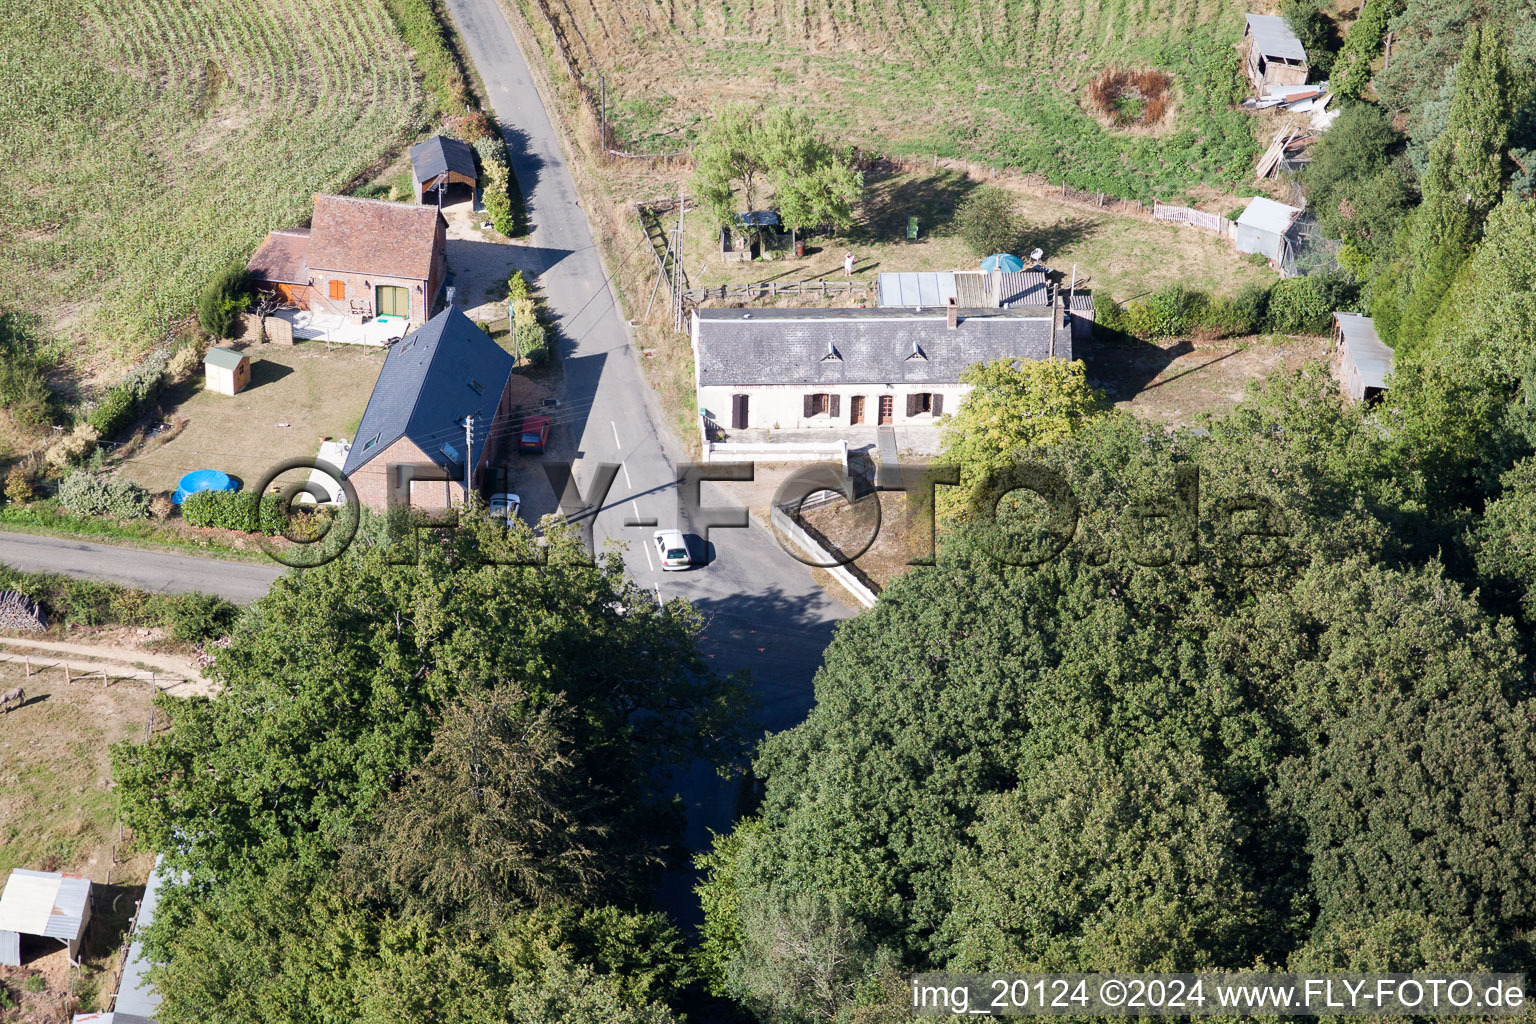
(439, 162)
(228, 372)
(1275, 55)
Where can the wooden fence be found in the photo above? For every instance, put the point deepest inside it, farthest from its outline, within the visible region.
(772, 289)
(1198, 218)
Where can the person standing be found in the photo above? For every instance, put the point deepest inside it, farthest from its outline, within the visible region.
(848, 265)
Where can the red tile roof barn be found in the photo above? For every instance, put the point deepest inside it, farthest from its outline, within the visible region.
(280, 257)
(372, 236)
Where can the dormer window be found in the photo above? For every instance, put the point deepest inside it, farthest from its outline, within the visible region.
(832, 354)
(917, 352)
(476, 386)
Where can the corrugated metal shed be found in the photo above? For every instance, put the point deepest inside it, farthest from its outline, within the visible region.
(111, 1018)
(135, 995)
(1372, 359)
(911, 290)
(1025, 288)
(46, 903)
(1274, 37)
(1262, 227)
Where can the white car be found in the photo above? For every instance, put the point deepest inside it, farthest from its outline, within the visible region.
(504, 506)
(673, 550)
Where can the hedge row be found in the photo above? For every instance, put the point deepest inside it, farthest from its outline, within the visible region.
(1293, 305)
(188, 617)
(235, 510)
(122, 405)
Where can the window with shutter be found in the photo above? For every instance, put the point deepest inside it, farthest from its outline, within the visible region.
(911, 405)
(338, 289)
(738, 412)
(836, 406)
(938, 405)
(810, 406)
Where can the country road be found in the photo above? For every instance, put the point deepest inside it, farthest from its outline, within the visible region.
(156, 571)
(764, 613)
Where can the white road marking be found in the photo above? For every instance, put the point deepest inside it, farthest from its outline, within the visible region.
(647, 549)
(616, 442)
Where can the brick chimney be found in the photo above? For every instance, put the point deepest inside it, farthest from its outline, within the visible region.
(954, 312)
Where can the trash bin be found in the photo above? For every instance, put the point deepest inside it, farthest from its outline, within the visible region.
(800, 247)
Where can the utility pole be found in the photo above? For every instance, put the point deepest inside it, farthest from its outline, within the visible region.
(469, 452)
(677, 263)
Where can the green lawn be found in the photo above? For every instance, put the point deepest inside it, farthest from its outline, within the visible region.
(296, 395)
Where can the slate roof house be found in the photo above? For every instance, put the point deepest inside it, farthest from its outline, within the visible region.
(1364, 360)
(784, 370)
(1275, 56)
(360, 258)
(440, 162)
(411, 446)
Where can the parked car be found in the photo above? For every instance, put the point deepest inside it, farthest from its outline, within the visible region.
(504, 506)
(534, 435)
(673, 549)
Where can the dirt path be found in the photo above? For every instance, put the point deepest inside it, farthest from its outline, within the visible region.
(176, 676)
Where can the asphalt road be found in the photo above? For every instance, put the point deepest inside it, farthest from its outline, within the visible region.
(156, 571)
(763, 611)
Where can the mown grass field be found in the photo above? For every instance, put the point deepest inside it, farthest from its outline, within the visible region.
(150, 142)
(1002, 81)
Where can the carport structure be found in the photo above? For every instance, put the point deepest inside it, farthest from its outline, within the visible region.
(45, 904)
(439, 162)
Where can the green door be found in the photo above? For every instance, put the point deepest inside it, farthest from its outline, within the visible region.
(394, 301)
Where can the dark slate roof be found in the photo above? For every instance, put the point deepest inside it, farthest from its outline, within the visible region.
(427, 386)
(868, 346)
(279, 259)
(438, 155)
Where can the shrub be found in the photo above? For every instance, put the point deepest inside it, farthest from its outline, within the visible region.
(7, 1001)
(18, 485)
(161, 506)
(184, 362)
(122, 405)
(194, 617)
(524, 312)
(222, 301)
(531, 341)
(87, 494)
(1170, 312)
(34, 983)
(988, 222)
(1299, 305)
(1243, 313)
(1108, 316)
(517, 287)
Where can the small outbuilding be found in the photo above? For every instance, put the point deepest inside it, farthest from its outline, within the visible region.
(440, 162)
(1364, 361)
(45, 904)
(1263, 226)
(227, 371)
(1275, 56)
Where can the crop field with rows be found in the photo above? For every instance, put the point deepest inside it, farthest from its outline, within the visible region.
(1003, 81)
(147, 143)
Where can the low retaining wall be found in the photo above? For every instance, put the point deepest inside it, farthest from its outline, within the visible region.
(734, 451)
(805, 542)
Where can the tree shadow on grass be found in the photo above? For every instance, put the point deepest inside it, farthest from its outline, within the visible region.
(890, 198)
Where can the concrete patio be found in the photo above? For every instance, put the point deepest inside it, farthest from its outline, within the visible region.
(312, 326)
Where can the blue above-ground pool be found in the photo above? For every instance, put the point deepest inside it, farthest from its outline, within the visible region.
(202, 480)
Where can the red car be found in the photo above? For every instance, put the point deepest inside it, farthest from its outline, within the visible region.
(534, 435)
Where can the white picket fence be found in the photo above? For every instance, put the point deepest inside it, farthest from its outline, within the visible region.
(1199, 218)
